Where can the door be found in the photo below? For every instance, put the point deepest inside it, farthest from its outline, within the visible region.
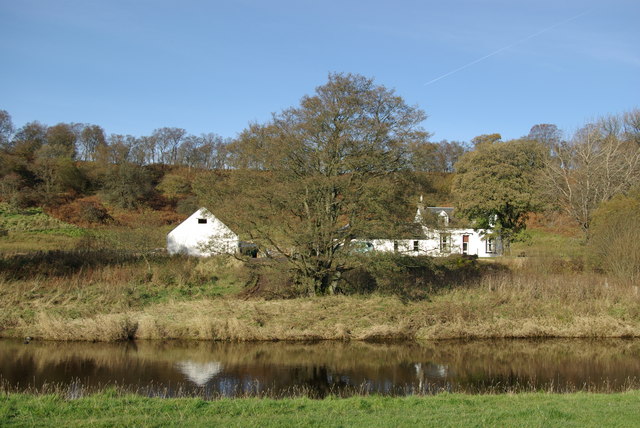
(465, 244)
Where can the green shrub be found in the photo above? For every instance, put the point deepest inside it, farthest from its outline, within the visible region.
(614, 244)
(411, 277)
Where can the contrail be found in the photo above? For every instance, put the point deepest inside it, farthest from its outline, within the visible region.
(544, 30)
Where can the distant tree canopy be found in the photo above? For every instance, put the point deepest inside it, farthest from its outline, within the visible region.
(319, 175)
(497, 183)
(545, 133)
(435, 157)
(486, 139)
(48, 165)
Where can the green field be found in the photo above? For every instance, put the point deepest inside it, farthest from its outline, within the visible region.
(455, 410)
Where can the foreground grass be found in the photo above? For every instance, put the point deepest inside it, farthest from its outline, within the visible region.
(525, 410)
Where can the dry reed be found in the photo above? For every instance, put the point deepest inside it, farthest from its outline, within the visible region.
(181, 298)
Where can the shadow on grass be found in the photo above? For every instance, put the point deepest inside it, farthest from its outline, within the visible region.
(415, 278)
(58, 263)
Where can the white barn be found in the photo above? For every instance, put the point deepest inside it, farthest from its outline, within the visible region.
(202, 234)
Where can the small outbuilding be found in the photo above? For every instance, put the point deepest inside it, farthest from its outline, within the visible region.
(202, 234)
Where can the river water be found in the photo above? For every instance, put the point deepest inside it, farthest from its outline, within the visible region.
(279, 369)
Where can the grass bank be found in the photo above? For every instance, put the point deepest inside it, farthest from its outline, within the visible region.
(524, 410)
(110, 285)
(182, 298)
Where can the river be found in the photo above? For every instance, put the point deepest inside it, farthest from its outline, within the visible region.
(278, 369)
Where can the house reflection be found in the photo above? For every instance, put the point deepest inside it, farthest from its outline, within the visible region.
(197, 372)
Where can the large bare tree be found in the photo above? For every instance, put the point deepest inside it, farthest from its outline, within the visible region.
(600, 161)
(319, 175)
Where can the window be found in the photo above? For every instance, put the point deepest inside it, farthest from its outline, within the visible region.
(445, 242)
(202, 221)
(395, 246)
(491, 246)
(443, 219)
(416, 245)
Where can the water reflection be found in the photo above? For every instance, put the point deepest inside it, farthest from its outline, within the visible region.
(280, 369)
(199, 373)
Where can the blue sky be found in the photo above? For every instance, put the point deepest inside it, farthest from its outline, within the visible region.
(475, 67)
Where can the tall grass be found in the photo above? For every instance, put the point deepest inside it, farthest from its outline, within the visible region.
(76, 389)
(93, 294)
(173, 304)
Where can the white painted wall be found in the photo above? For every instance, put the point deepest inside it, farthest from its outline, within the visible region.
(202, 239)
(214, 237)
(430, 246)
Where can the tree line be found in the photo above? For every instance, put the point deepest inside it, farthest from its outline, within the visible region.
(348, 162)
(42, 164)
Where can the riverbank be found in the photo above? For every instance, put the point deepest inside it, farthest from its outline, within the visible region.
(100, 295)
(531, 409)
(519, 305)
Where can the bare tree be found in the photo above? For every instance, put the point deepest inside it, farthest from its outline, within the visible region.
(168, 141)
(90, 140)
(547, 134)
(214, 151)
(6, 128)
(596, 164)
(149, 149)
(631, 125)
(188, 153)
(119, 149)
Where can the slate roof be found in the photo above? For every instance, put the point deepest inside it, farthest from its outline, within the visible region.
(438, 210)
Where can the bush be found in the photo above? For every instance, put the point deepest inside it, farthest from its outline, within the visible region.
(411, 277)
(84, 212)
(614, 244)
(94, 213)
(269, 279)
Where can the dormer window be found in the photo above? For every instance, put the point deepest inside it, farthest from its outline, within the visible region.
(202, 221)
(443, 219)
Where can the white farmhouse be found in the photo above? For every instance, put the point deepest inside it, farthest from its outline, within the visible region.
(202, 234)
(440, 238)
